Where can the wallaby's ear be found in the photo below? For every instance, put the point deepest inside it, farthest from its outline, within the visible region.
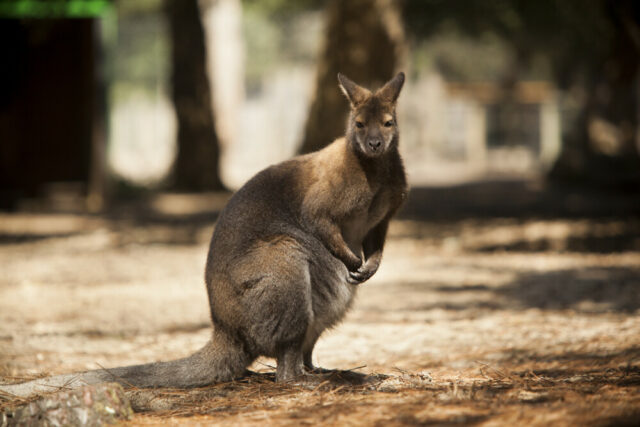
(354, 93)
(390, 91)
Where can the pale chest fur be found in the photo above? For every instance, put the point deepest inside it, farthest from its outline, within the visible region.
(371, 209)
(356, 200)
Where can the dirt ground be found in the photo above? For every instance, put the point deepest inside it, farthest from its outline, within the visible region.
(498, 305)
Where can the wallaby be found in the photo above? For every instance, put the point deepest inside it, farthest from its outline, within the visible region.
(287, 254)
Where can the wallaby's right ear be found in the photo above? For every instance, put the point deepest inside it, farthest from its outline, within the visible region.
(354, 93)
(391, 90)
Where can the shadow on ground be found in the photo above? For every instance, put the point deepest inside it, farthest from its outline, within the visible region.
(517, 199)
(625, 240)
(587, 290)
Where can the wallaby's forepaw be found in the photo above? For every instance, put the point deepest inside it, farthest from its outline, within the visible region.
(353, 262)
(363, 273)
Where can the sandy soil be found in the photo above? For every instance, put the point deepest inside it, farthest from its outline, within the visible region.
(503, 319)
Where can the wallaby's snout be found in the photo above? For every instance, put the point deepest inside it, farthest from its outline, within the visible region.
(374, 143)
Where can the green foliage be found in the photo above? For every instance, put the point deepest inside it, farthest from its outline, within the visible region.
(53, 8)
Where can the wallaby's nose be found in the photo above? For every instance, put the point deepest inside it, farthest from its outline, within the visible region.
(375, 144)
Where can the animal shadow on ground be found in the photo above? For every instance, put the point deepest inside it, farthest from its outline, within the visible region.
(594, 289)
(625, 238)
(586, 290)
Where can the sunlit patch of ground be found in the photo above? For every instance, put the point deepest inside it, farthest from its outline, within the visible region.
(513, 321)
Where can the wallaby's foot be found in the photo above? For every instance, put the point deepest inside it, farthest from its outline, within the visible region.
(339, 377)
(331, 378)
(316, 370)
(306, 380)
(292, 369)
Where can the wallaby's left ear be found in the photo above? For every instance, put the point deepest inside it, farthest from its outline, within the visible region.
(390, 91)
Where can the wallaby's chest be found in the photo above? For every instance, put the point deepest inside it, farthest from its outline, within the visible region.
(354, 196)
(366, 214)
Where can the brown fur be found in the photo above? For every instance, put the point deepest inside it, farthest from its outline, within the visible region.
(288, 253)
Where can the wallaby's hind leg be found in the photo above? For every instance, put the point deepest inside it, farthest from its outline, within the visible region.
(307, 352)
(308, 363)
(277, 305)
(290, 364)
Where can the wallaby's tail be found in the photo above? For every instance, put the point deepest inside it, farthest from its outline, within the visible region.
(221, 359)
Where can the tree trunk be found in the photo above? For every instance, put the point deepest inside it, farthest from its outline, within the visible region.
(196, 167)
(365, 41)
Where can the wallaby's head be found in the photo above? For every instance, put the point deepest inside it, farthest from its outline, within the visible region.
(372, 126)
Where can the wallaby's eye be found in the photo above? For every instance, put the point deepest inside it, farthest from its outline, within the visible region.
(388, 123)
(359, 125)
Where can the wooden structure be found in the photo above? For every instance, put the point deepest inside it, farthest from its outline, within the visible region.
(51, 104)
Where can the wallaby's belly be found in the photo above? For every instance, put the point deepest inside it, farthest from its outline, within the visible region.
(279, 277)
(331, 294)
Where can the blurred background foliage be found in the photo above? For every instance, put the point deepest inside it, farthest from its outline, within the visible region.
(142, 40)
(266, 28)
(506, 88)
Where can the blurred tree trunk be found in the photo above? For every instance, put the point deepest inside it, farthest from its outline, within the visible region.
(365, 41)
(196, 167)
(602, 146)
